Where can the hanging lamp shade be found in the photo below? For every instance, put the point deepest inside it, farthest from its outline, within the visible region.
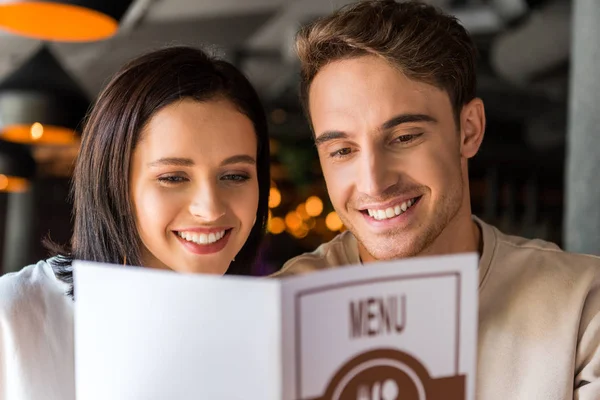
(40, 103)
(17, 167)
(63, 20)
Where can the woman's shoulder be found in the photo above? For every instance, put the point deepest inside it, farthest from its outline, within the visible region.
(33, 285)
(36, 335)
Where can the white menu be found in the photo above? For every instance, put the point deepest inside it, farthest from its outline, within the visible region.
(398, 330)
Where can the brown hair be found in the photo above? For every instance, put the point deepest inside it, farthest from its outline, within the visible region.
(423, 42)
(104, 223)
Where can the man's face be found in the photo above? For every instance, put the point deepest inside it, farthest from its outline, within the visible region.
(390, 151)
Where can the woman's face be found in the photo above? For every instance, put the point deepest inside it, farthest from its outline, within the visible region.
(194, 186)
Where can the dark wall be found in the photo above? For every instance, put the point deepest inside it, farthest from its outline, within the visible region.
(52, 216)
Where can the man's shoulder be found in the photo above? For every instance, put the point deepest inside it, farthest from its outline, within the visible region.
(341, 250)
(542, 248)
(543, 256)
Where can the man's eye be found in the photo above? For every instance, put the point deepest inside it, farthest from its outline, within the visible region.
(407, 138)
(341, 152)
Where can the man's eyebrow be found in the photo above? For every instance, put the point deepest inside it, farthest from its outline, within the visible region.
(406, 118)
(172, 161)
(389, 124)
(239, 159)
(328, 136)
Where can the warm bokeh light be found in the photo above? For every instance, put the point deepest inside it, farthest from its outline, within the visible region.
(56, 22)
(333, 222)
(13, 184)
(301, 232)
(314, 206)
(276, 225)
(274, 197)
(301, 210)
(38, 134)
(37, 131)
(293, 221)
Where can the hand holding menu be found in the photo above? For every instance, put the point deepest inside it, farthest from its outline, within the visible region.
(399, 330)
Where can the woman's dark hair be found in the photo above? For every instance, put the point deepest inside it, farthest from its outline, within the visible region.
(104, 224)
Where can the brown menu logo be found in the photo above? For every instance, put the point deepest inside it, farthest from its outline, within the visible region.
(384, 373)
(390, 374)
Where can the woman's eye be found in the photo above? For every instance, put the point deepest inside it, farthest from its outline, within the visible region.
(235, 177)
(341, 152)
(171, 179)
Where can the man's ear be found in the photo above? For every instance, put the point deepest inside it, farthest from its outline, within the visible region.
(472, 127)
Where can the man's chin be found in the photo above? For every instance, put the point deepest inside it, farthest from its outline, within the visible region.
(385, 250)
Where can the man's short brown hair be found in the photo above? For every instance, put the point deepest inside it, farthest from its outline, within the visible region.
(423, 42)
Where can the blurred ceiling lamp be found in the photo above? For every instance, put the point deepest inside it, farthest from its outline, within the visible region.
(17, 167)
(63, 20)
(40, 103)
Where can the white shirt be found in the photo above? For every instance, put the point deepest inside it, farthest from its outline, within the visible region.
(36, 336)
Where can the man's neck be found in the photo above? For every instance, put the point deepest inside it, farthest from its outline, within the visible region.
(458, 237)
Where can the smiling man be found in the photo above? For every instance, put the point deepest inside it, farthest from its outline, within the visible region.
(389, 89)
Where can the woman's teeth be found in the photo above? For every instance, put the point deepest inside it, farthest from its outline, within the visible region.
(201, 238)
(391, 212)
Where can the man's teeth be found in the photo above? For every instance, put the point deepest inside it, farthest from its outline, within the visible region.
(202, 238)
(391, 212)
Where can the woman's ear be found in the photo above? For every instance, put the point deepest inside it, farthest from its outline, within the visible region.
(472, 126)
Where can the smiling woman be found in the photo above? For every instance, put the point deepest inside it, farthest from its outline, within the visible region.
(158, 147)
(173, 173)
(194, 186)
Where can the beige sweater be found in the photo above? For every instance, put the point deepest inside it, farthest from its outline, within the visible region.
(539, 315)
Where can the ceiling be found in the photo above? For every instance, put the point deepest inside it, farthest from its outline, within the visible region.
(517, 44)
(221, 25)
(266, 25)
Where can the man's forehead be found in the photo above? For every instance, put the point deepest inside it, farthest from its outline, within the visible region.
(342, 90)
